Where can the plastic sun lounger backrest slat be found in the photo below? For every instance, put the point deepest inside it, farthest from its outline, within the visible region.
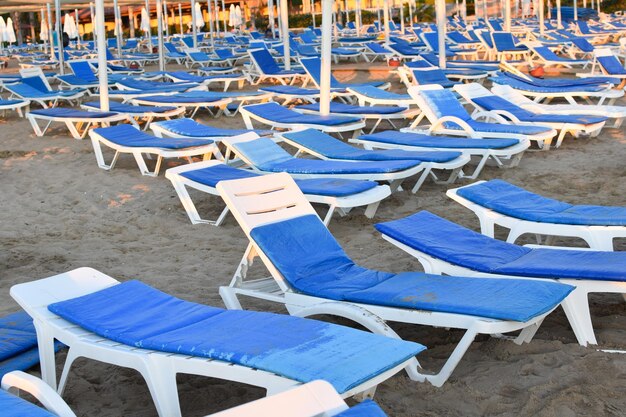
(265, 61)
(82, 69)
(264, 200)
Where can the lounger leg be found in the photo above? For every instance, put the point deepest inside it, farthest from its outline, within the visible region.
(371, 209)
(36, 128)
(45, 342)
(576, 307)
(600, 241)
(454, 359)
(161, 379)
(528, 333)
(420, 181)
(187, 203)
(73, 130)
(72, 355)
(97, 149)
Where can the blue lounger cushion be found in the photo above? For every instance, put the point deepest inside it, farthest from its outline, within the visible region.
(498, 103)
(17, 334)
(182, 75)
(562, 82)
(189, 127)
(377, 93)
(127, 135)
(10, 103)
(268, 156)
(63, 112)
(13, 406)
(514, 201)
(129, 108)
(418, 139)
(350, 109)
(300, 349)
(331, 187)
(290, 90)
(455, 244)
(332, 148)
(311, 260)
(367, 408)
(183, 98)
(444, 103)
(277, 113)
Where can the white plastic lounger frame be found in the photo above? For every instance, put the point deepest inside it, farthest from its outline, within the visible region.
(97, 141)
(514, 96)
(473, 90)
(370, 198)
(259, 201)
(437, 123)
(159, 369)
(257, 72)
(78, 126)
(355, 127)
(598, 70)
(395, 179)
(575, 305)
(216, 79)
(315, 399)
(147, 117)
(364, 100)
(18, 381)
(566, 63)
(597, 237)
(455, 166)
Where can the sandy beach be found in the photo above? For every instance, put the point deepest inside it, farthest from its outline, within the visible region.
(60, 212)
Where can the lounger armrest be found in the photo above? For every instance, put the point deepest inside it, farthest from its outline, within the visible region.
(497, 115)
(457, 121)
(48, 397)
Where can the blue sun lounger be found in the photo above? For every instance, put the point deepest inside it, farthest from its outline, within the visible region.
(484, 100)
(429, 76)
(268, 350)
(544, 56)
(521, 211)
(268, 69)
(155, 87)
(445, 247)
(14, 383)
(447, 116)
(504, 152)
(315, 276)
(264, 156)
(323, 146)
(291, 93)
(35, 89)
(128, 139)
(227, 79)
(313, 68)
(338, 194)
(194, 100)
(373, 113)
(189, 128)
(14, 105)
(375, 50)
(506, 46)
(78, 122)
(279, 117)
(141, 114)
(368, 94)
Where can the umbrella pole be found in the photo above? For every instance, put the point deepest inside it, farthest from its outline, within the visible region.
(165, 16)
(194, 30)
(43, 19)
(159, 10)
(57, 9)
(327, 17)
(149, 34)
(386, 17)
(50, 40)
(210, 14)
(180, 18)
(284, 19)
(131, 21)
(440, 12)
(102, 57)
(224, 16)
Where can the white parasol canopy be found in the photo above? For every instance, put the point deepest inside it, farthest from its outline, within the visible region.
(239, 16)
(43, 31)
(3, 30)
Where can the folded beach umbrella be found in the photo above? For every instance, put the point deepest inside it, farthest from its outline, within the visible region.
(231, 15)
(145, 21)
(199, 17)
(238, 16)
(69, 26)
(3, 30)
(43, 31)
(10, 31)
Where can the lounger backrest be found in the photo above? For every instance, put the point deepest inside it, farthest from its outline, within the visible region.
(376, 48)
(224, 53)
(418, 63)
(425, 76)
(170, 47)
(472, 90)
(318, 142)
(198, 56)
(509, 93)
(188, 41)
(458, 37)
(264, 200)
(265, 61)
(313, 67)
(503, 41)
(82, 69)
(609, 62)
(583, 44)
(36, 83)
(431, 39)
(403, 49)
(485, 38)
(436, 102)
(36, 72)
(259, 152)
